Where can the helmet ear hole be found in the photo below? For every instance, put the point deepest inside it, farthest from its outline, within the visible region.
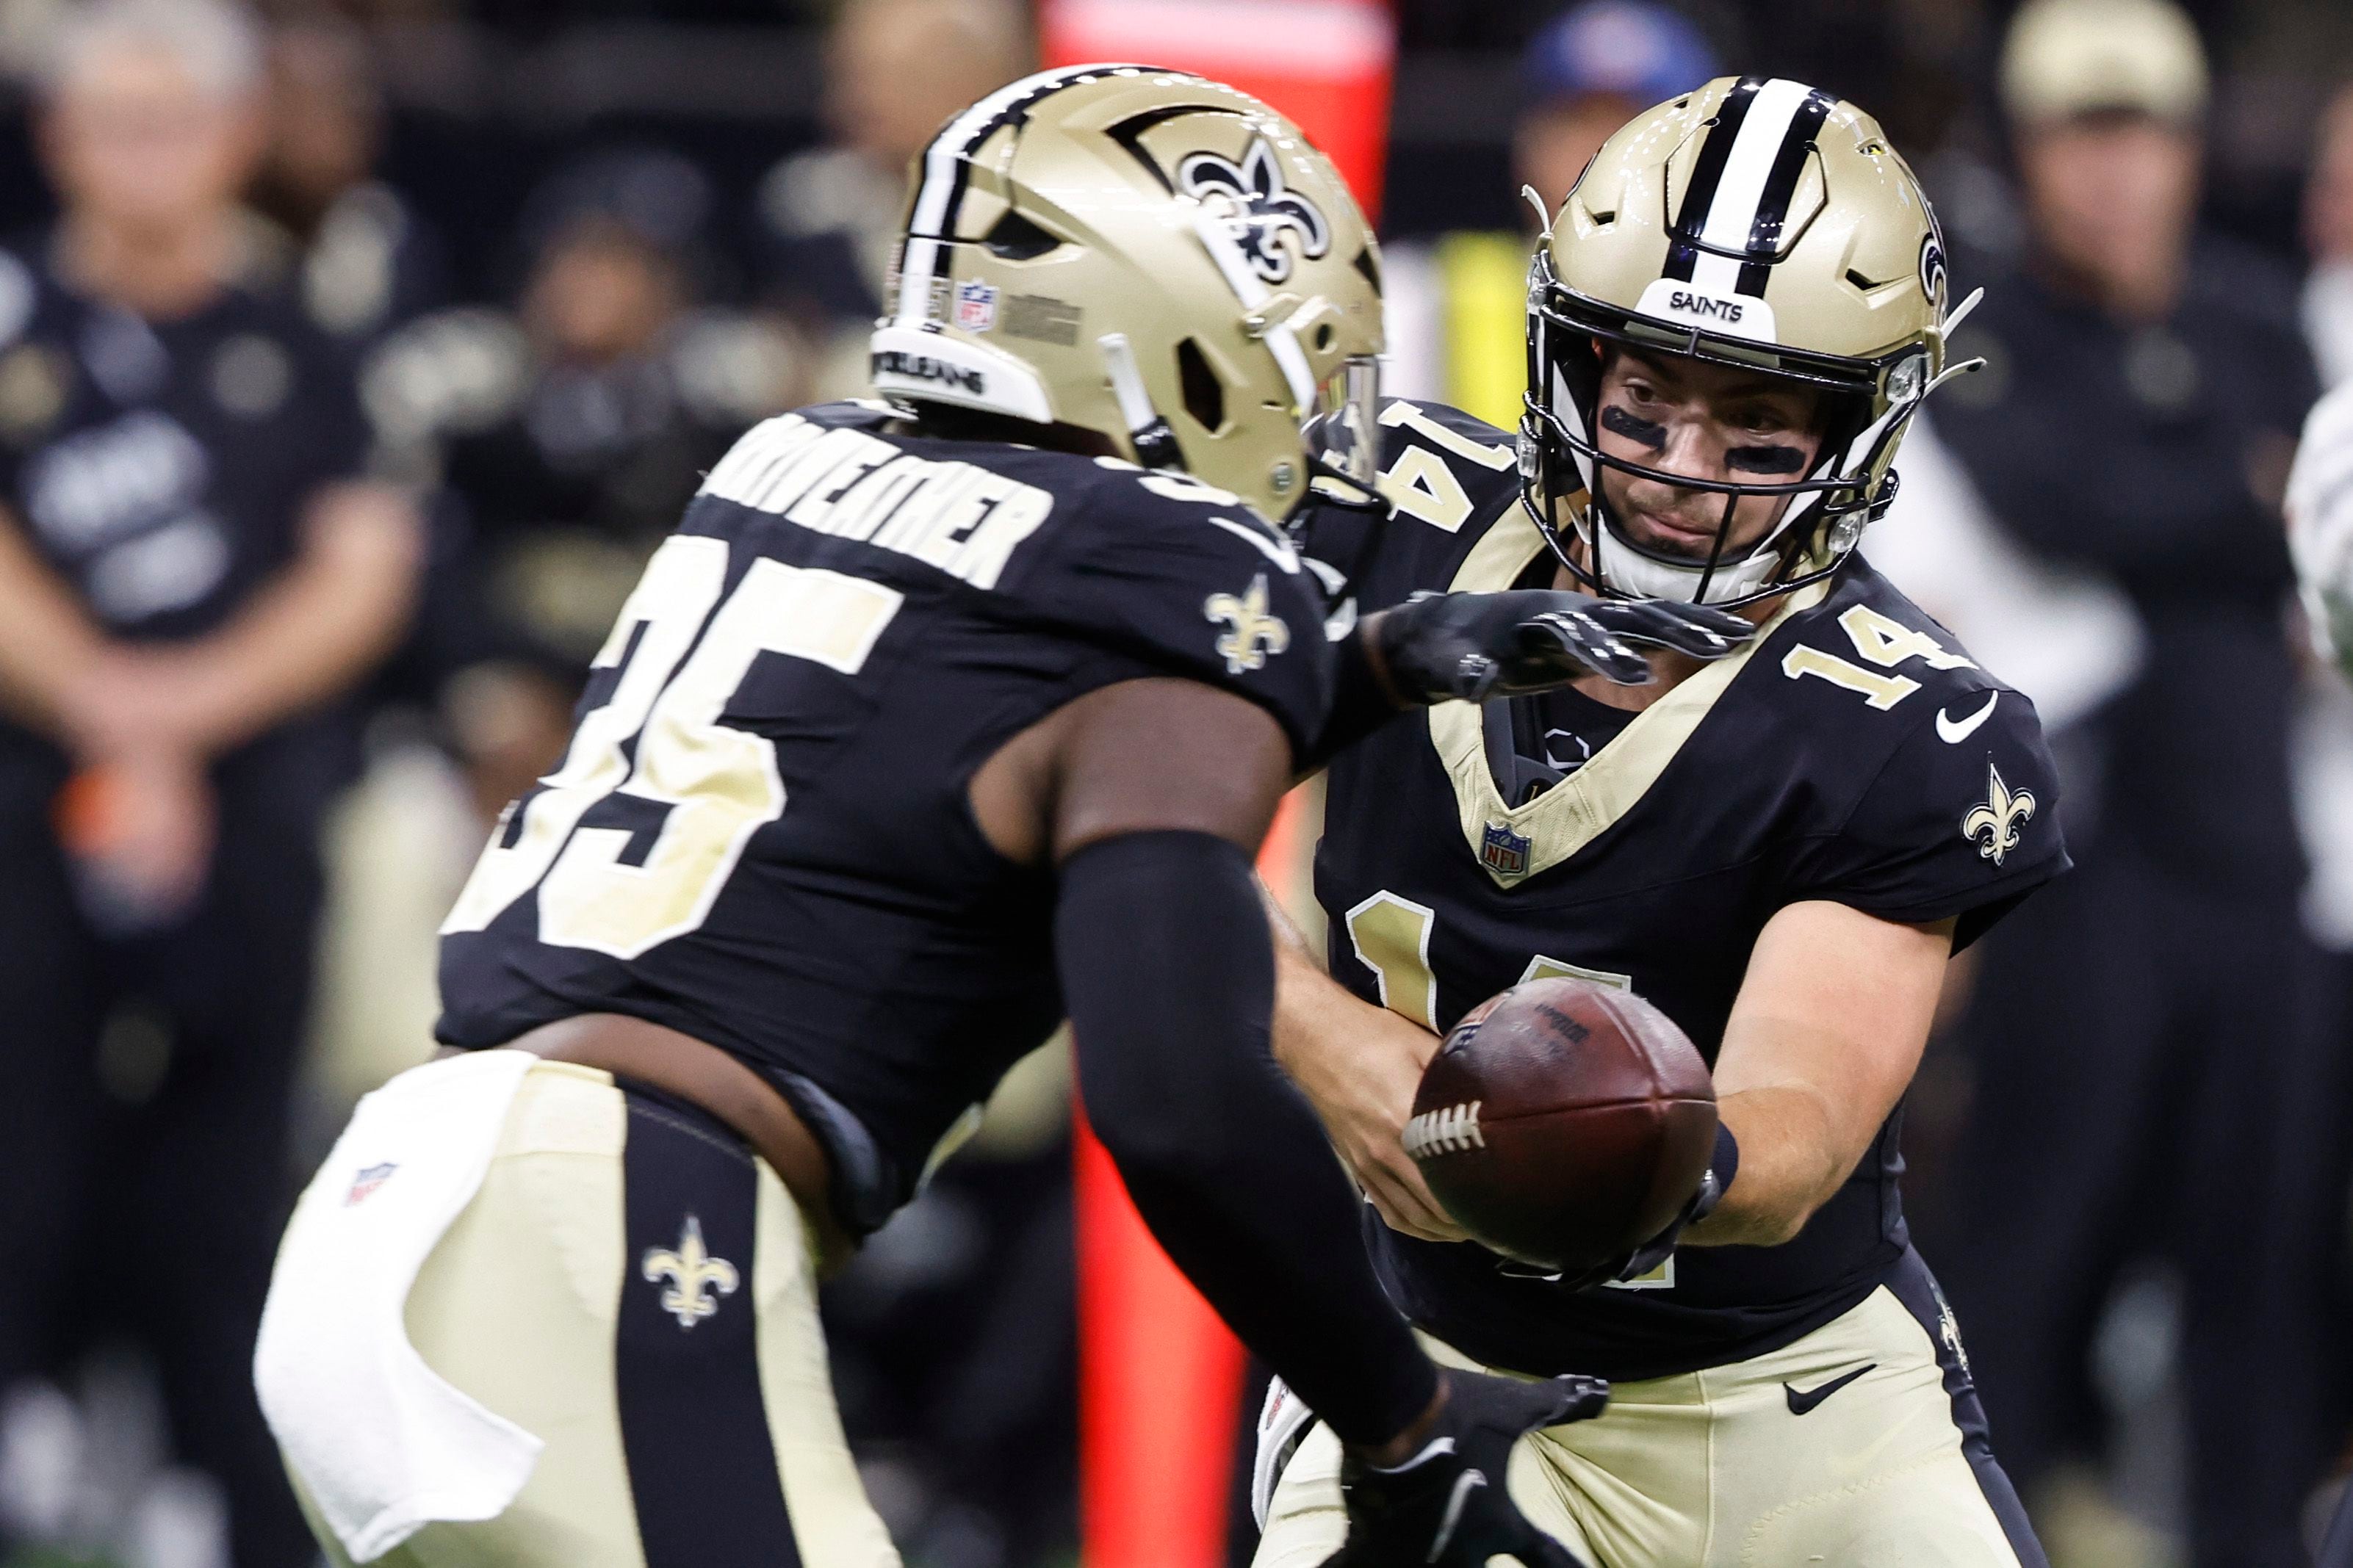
(1204, 395)
(1013, 237)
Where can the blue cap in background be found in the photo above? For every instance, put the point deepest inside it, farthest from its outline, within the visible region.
(1645, 52)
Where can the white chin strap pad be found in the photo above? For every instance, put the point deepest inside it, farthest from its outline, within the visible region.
(1647, 577)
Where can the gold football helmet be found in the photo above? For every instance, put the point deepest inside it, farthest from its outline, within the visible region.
(1756, 223)
(1152, 257)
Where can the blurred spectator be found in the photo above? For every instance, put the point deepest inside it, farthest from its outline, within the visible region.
(1589, 71)
(2328, 234)
(1456, 308)
(192, 572)
(2143, 1033)
(365, 260)
(895, 71)
(570, 433)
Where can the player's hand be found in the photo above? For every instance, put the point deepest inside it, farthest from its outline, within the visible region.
(1660, 1248)
(1449, 1505)
(1359, 1067)
(1473, 646)
(140, 829)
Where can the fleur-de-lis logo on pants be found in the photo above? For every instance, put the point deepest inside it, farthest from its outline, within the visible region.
(1997, 818)
(1260, 210)
(692, 1270)
(1255, 632)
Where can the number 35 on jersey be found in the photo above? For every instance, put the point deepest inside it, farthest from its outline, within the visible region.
(719, 783)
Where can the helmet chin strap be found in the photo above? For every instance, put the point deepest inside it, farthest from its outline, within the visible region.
(1622, 566)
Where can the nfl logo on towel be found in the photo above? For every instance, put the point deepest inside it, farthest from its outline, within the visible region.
(1505, 853)
(975, 306)
(368, 1181)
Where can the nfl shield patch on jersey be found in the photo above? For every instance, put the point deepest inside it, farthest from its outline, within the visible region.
(1504, 852)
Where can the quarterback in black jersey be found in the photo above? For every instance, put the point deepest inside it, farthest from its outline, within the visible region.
(1731, 318)
(938, 718)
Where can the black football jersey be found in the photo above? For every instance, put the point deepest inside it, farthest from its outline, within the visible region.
(760, 834)
(162, 468)
(1854, 753)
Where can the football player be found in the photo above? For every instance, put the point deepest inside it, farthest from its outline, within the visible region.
(2320, 523)
(1734, 316)
(938, 717)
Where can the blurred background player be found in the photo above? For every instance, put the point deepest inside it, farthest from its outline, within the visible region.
(1456, 302)
(2142, 1034)
(195, 573)
(2328, 299)
(894, 70)
(567, 433)
(364, 259)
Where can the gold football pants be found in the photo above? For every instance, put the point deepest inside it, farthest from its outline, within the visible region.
(675, 1374)
(1860, 1446)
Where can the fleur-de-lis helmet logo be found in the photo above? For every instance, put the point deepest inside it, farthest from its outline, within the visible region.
(1260, 211)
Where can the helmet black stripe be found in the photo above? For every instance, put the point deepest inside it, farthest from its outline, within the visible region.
(1780, 186)
(1707, 172)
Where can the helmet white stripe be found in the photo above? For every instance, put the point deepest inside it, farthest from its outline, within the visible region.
(1741, 190)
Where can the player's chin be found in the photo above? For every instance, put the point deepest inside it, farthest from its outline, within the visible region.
(1671, 537)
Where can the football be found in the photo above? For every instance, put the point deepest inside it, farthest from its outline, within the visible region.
(1563, 1123)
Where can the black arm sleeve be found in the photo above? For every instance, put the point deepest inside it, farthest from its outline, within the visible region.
(1168, 970)
(1359, 703)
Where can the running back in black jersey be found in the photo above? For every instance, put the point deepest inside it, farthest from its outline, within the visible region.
(1852, 753)
(760, 833)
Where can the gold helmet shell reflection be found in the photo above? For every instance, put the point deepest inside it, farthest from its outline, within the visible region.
(1149, 256)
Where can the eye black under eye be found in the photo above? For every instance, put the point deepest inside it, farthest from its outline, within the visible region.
(1767, 459)
(1634, 428)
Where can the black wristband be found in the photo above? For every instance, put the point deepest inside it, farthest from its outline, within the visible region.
(1724, 1163)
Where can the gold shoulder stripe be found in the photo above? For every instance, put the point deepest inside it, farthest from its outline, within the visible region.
(1564, 818)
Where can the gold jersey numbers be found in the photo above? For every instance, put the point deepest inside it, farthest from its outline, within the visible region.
(719, 782)
(1883, 643)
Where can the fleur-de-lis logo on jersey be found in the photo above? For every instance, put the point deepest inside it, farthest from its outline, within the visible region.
(1998, 817)
(1260, 210)
(1256, 632)
(692, 1271)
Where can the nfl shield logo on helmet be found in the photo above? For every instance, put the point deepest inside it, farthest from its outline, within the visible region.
(975, 306)
(368, 1180)
(1504, 852)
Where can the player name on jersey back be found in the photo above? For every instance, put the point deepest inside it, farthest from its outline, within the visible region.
(960, 518)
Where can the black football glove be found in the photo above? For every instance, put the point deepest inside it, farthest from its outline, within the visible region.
(1448, 1504)
(1656, 1250)
(1722, 1165)
(1473, 646)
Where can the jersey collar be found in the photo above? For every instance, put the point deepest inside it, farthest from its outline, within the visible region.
(1515, 843)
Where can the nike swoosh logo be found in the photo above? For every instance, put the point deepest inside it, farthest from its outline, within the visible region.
(1802, 1403)
(1465, 1484)
(1281, 555)
(1952, 733)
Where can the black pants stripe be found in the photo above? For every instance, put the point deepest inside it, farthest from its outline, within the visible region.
(694, 1424)
(1913, 1286)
